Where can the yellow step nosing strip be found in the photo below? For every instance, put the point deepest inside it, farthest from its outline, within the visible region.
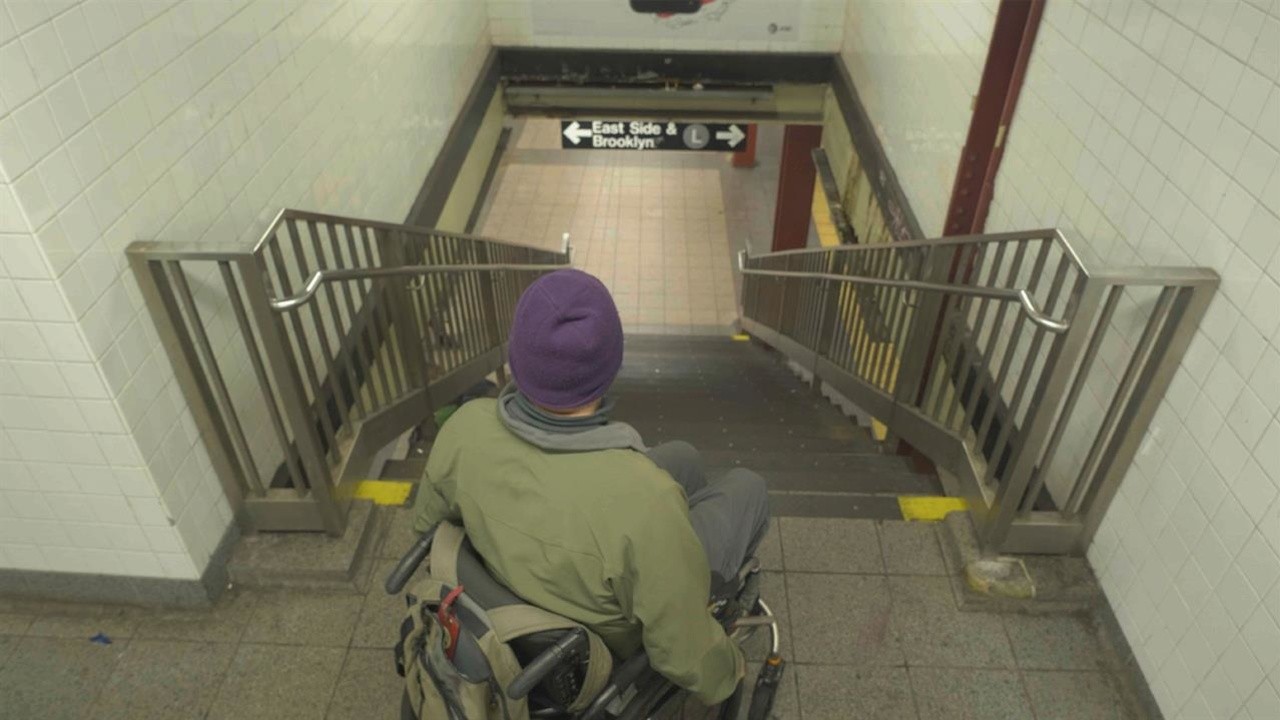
(742, 337)
(383, 492)
(879, 431)
(929, 508)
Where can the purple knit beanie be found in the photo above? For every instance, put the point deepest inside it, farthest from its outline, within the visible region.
(566, 340)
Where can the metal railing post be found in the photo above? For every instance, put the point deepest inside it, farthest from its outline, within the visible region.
(489, 309)
(826, 321)
(186, 369)
(287, 379)
(1060, 366)
(912, 374)
(403, 318)
(1163, 361)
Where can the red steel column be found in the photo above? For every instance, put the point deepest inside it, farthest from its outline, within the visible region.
(1012, 38)
(746, 157)
(795, 187)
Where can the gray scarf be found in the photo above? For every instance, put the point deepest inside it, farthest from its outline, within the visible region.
(563, 434)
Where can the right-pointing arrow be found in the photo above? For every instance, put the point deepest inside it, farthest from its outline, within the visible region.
(576, 132)
(734, 135)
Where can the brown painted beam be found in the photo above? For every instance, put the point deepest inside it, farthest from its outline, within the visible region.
(1008, 53)
(1012, 38)
(795, 187)
(746, 157)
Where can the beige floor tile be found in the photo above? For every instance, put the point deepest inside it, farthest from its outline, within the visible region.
(651, 301)
(652, 227)
(650, 315)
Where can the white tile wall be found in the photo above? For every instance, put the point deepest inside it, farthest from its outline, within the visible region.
(1150, 133)
(178, 121)
(917, 65)
(818, 27)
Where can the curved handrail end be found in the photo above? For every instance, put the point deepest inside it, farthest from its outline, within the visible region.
(1038, 317)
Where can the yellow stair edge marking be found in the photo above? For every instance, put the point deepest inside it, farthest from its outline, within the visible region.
(929, 508)
(742, 337)
(823, 226)
(879, 430)
(382, 492)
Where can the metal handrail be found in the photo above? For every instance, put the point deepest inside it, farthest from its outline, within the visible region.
(268, 235)
(951, 241)
(320, 277)
(1003, 411)
(340, 363)
(1021, 296)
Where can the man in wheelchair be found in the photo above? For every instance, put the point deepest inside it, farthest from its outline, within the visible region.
(567, 513)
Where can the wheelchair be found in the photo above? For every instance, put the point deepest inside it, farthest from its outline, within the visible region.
(553, 663)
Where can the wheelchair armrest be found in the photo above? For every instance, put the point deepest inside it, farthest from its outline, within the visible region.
(624, 677)
(536, 671)
(409, 562)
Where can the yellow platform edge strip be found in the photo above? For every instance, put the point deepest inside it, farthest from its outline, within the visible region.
(929, 508)
(382, 492)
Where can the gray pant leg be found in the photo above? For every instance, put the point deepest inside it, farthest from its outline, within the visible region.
(682, 462)
(730, 517)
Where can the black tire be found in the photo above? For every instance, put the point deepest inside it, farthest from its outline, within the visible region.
(762, 702)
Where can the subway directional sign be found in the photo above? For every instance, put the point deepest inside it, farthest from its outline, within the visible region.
(650, 135)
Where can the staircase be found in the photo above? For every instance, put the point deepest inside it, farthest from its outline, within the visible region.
(1025, 372)
(739, 404)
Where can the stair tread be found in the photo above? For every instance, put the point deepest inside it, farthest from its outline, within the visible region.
(740, 405)
(867, 481)
(829, 505)
(406, 469)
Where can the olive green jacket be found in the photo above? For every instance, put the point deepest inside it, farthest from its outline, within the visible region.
(600, 536)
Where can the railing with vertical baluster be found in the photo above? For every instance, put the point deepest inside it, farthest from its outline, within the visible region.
(1027, 375)
(304, 355)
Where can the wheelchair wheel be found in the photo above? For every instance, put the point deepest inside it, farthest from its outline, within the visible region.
(766, 689)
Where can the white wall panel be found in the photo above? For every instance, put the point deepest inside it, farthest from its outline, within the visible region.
(743, 25)
(916, 65)
(1150, 133)
(175, 121)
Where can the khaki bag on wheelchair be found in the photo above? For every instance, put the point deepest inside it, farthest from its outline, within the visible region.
(474, 681)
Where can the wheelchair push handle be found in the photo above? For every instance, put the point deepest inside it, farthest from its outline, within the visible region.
(574, 641)
(409, 562)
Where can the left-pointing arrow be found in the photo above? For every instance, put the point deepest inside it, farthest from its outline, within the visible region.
(576, 132)
(734, 135)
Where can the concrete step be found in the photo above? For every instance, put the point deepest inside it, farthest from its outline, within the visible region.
(789, 460)
(663, 342)
(756, 438)
(406, 469)
(725, 409)
(834, 505)
(869, 480)
(312, 560)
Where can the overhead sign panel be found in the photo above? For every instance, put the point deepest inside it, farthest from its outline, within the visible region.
(757, 20)
(650, 135)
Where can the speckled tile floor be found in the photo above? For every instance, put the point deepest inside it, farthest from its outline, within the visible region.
(870, 627)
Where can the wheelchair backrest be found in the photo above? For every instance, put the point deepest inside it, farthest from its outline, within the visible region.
(497, 633)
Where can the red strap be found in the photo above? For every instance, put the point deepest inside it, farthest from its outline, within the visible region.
(449, 621)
